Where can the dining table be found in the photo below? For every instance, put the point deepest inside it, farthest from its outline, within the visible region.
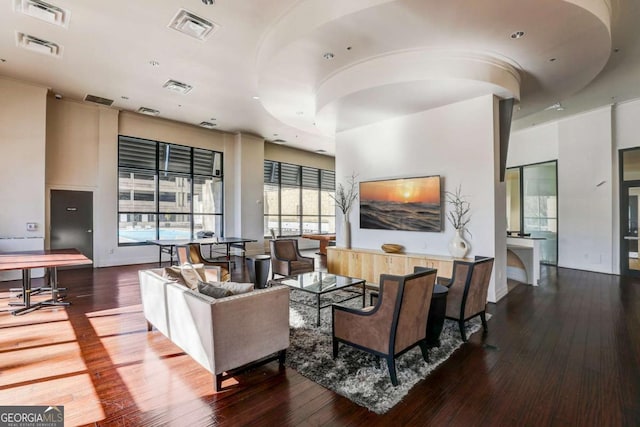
(50, 259)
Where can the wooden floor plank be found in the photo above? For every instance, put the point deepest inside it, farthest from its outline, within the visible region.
(564, 353)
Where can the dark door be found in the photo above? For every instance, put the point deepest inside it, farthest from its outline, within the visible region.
(629, 259)
(72, 221)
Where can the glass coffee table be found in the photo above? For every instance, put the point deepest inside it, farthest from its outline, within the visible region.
(319, 283)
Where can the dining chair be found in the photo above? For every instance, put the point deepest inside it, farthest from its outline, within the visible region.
(191, 254)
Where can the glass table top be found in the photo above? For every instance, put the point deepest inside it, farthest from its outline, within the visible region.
(319, 282)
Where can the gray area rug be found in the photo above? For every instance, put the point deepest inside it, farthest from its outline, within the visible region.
(357, 375)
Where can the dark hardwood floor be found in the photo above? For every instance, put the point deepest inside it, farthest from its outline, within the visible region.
(566, 353)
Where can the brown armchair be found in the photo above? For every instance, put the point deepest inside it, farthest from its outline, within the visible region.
(467, 297)
(286, 259)
(191, 254)
(394, 325)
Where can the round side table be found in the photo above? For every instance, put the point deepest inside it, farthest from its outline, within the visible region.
(437, 311)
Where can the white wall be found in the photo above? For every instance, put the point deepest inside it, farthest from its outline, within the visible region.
(249, 182)
(22, 167)
(583, 145)
(456, 142)
(626, 124)
(105, 244)
(533, 145)
(585, 236)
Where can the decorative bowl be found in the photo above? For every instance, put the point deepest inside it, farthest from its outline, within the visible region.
(392, 248)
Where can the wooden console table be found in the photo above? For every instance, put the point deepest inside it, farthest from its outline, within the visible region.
(324, 240)
(369, 264)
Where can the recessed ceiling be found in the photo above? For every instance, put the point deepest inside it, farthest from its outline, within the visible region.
(279, 52)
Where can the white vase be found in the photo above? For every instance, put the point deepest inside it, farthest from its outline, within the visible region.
(458, 246)
(346, 234)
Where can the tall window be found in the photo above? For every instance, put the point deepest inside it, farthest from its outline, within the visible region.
(297, 199)
(167, 191)
(532, 205)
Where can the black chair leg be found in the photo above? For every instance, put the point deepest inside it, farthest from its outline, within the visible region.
(483, 317)
(462, 333)
(282, 356)
(391, 363)
(425, 350)
(335, 347)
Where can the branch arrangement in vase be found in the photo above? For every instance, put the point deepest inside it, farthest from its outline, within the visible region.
(460, 216)
(345, 196)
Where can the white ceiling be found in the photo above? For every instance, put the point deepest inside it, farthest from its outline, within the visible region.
(389, 58)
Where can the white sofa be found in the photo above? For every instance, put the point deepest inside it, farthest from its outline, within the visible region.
(220, 334)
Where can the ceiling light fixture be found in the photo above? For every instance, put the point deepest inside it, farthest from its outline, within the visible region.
(328, 55)
(124, 97)
(154, 63)
(208, 2)
(517, 35)
(256, 97)
(3, 60)
(207, 125)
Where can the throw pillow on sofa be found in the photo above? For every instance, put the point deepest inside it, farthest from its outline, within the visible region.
(213, 291)
(187, 274)
(235, 287)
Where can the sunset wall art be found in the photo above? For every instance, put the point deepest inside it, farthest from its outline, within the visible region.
(409, 204)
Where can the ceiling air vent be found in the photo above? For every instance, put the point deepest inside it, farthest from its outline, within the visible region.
(177, 86)
(279, 141)
(98, 100)
(38, 45)
(43, 11)
(207, 125)
(192, 25)
(148, 111)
